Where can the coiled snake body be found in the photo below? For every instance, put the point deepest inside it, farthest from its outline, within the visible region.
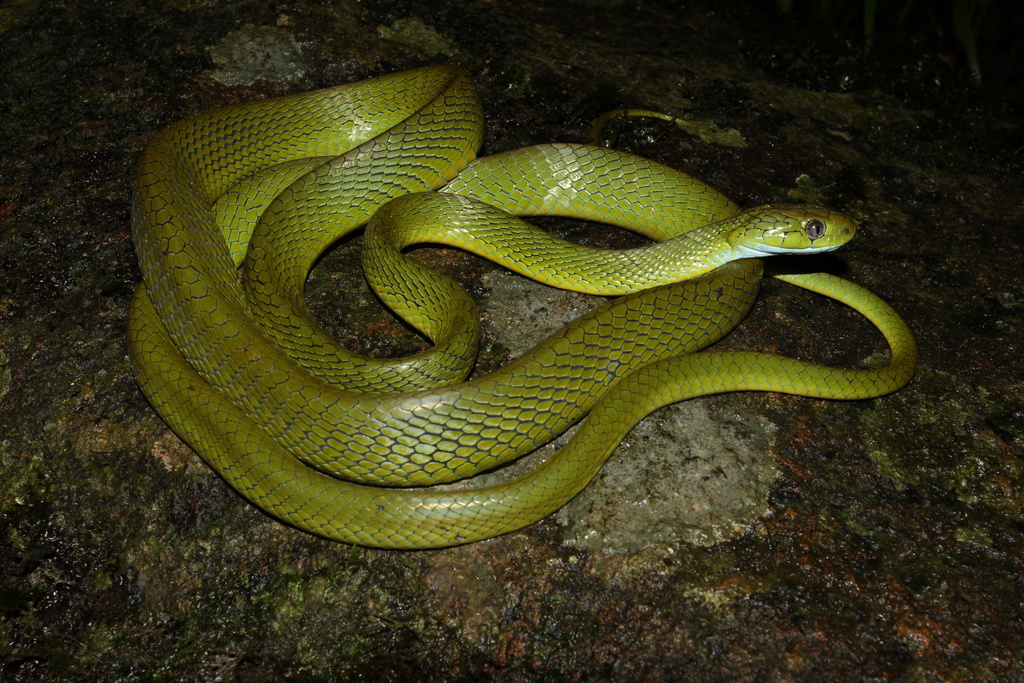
(234, 205)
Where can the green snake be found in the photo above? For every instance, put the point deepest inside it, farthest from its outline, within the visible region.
(233, 206)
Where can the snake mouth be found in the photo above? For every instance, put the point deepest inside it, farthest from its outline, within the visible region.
(763, 250)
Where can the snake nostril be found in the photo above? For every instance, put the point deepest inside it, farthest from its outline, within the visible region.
(815, 228)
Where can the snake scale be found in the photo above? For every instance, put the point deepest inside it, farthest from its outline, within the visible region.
(233, 206)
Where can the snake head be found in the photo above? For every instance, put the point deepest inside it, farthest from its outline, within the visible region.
(789, 229)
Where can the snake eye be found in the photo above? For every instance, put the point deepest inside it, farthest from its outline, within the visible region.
(815, 228)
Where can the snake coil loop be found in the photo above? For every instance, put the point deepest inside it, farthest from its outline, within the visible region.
(317, 436)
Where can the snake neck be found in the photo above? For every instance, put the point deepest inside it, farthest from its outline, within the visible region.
(691, 254)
